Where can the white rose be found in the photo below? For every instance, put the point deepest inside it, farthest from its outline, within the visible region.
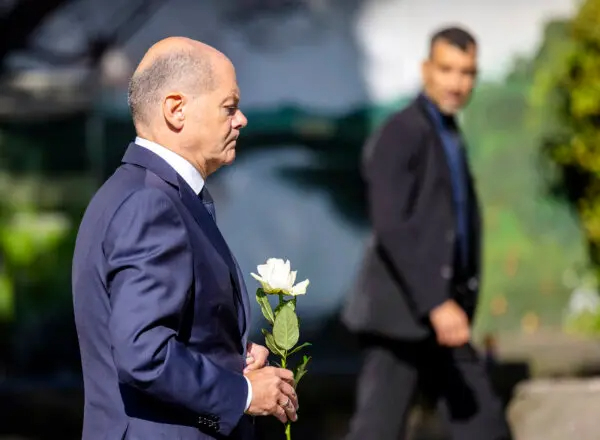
(276, 277)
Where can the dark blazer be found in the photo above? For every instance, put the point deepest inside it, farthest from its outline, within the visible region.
(161, 311)
(409, 265)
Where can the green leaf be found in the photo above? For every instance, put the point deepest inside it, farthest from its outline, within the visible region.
(265, 306)
(300, 370)
(299, 347)
(271, 344)
(286, 330)
(283, 304)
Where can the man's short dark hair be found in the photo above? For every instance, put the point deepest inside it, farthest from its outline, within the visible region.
(455, 36)
(183, 69)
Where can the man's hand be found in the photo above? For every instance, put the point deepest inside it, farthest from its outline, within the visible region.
(451, 324)
(256, 357)
(273, 393)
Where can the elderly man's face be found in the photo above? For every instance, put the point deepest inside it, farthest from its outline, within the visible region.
(216, 120)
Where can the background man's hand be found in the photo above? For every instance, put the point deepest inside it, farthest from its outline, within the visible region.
(273, 393)
(451, 324)
(256, 357)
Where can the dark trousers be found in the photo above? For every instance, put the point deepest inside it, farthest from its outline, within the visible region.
(455, 379)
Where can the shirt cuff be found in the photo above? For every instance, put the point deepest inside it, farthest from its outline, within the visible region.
(249, 398)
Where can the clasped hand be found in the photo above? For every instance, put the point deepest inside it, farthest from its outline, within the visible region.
(273, 390)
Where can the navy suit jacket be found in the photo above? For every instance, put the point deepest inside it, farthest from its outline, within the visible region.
(161, 311)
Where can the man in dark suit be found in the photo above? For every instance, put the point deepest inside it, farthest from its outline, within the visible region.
(161, 308)
(418, 287)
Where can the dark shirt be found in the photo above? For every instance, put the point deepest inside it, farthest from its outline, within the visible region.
(453, 146)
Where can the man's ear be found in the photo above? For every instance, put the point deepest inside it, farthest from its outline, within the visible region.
(173, 109)
(424, 70)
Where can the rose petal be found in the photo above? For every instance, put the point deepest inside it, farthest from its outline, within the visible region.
(263, 270)
(300, 288)
(292, 278)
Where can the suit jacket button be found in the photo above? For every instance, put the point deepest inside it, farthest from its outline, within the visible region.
(473, 283)
(446, 272)
(450, 236)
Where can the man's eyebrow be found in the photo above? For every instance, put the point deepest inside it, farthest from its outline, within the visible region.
(235, 96)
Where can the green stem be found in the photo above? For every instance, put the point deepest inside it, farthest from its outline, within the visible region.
(288, 431)
(288, 425)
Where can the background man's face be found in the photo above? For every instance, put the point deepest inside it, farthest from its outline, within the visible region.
(449, 76)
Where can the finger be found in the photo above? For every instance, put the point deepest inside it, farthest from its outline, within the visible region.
(260, 362)
(289, 392)
(455, 336)
(450, 338)
(290, 411)
(460, 337)
(442, 337)
(447, 342)
(280, 414)
(284, 374)
(452, 342)
(289, 407)
(249, 359)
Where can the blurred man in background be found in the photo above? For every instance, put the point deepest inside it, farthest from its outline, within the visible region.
(418, 287)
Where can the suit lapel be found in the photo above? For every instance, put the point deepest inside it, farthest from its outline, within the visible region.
(140, 156)
(245, 301)
(474, 211)
(203, 218)
(206, 222)
(421, 106)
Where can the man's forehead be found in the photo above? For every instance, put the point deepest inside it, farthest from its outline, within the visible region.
(234, 93)
(443, 47)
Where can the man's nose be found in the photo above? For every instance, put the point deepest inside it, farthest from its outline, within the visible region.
(240, 120)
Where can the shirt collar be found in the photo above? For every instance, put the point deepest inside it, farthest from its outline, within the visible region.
(185, 169)
(446, 121)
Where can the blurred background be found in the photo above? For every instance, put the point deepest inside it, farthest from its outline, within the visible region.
(317, 77)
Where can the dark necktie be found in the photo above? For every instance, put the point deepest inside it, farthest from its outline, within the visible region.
(208, 202)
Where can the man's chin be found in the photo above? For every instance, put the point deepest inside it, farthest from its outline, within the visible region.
(230, 157)
(449, 110)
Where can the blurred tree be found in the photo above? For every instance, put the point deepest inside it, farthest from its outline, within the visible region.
(566, 96)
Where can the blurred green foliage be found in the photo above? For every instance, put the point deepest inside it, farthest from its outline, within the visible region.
(34, 242)
(566, 97)
(40, 206)
(530, 239)
(536, 141)
(585, 323)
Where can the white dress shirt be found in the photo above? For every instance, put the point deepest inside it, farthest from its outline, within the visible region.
(193, 178)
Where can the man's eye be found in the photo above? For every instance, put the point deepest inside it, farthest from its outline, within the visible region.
(231, 110)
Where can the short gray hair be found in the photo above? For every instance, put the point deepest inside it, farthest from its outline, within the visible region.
(184, 69)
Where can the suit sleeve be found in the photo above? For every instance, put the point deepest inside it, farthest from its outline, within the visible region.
(150, 273)
(405, 206)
